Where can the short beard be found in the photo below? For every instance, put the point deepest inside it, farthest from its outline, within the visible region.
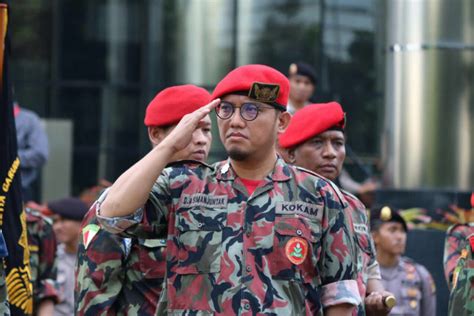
(237, 155)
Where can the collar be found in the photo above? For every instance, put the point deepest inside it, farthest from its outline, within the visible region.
(281, 171)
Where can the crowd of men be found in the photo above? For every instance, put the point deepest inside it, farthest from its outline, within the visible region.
(264, 232)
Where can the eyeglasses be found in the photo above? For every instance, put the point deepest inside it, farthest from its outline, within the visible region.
(248, 111)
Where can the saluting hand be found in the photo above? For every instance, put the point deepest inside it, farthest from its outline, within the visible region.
(182, 134)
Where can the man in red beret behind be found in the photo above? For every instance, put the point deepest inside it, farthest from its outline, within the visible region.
(124, 276)
(250, 235)
(315, 140)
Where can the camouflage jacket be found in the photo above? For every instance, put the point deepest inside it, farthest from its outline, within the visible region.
(4, 306)
(367, 265)
(287, 249)
(456, 240)
(42, 245)
(461, 299)
(114, 275)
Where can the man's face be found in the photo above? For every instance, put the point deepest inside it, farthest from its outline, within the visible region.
(248, 139)
(198, 148)
(66, 230)
(390, 238)
(301, 88)
(323, 154)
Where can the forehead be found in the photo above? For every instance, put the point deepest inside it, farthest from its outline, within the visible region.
(205, 121)
(297, 77)
(237, 99)
(331, 134)
(390, 225)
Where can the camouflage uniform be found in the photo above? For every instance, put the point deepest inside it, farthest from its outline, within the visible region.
(461, 299)
(115, 275)
(285, 250)
(42, 245)
(456, 241)
(367, 265)
(412, 286)
(4, 306)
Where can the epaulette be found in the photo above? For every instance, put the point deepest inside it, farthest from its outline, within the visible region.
(332, 184)
(178, 163)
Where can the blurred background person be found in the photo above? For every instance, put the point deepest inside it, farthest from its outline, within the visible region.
(410, 282)
(303, 82)
(32, 143)
(458, 265)
(67, 216)
(43, 264)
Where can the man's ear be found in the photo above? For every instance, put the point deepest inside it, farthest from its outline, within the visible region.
(291, 155)
(156, 135)
(283, 121)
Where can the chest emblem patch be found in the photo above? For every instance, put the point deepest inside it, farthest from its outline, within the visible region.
(296, 250)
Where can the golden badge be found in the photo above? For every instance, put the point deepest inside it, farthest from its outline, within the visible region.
(264, 92)
(385, 213)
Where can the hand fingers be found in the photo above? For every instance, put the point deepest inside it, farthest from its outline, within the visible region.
(200, 113)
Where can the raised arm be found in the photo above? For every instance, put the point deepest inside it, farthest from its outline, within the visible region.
(131, 190)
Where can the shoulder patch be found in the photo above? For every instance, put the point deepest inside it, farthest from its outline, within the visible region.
(88, 234)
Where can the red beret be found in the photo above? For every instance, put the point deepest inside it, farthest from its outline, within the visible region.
(310, 121)
(171, 104)
(262, 83)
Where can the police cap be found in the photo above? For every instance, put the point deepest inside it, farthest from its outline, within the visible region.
(385, 214)
(69, 208)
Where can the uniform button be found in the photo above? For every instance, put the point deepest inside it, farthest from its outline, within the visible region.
(247, 306)
(248, 268)
(299, 232)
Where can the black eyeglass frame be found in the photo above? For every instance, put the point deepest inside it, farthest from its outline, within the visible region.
(243, 106)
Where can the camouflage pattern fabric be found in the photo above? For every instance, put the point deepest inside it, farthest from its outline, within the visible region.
(42, 245)
(461, 299)
(285, 250)
(117, 276)
(367, 266)
(4, 306)
(456, 241)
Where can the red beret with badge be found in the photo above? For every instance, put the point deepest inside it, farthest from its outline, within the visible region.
(259, 82)
(312, 120)
(170, 105)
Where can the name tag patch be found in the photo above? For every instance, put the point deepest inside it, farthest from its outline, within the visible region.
(205, 200)
(360, 228)
(312, 211)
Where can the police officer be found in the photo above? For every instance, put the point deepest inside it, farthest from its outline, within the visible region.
(121, 276)
(320, 147)
(43, 246)
(410, 282)
(248, 235)
(303, 82)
